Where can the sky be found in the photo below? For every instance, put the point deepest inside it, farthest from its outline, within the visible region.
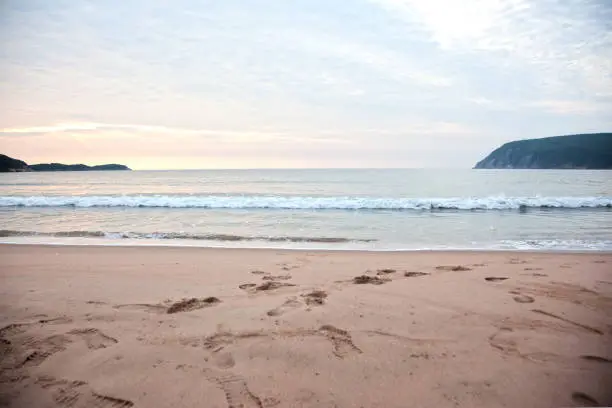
(194, 84)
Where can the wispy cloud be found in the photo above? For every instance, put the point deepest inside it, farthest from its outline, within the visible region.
(415, 80)
(87, 127)
(105, 128)
(570, 107)
(565, 43)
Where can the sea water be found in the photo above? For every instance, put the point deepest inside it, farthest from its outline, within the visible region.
(368, 209)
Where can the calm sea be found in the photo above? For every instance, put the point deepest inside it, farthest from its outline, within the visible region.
(324, 209)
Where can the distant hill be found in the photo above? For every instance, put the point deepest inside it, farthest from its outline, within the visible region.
(583, 151)
(9, 164)
(76, 167)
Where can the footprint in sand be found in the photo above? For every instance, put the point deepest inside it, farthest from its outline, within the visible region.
(270, 402)
(385, 271)
(287, 267)
(146, 307)
(272, 285)
(523, 299)
(13, 329)
(290, 304)
(315, 298)
(95, 302)
(188, 305)
(94, 338)
(568, 292)
(169, 307)
(41, 349)
(495, 278)
(18, 328)
(505, 340)
(223, 360)
(235, 388)
(218, 341)
(56, 320)
(366, 279)
(67, 394)
(28, 351)
(266, 286)
(276, 277)
(500, 342)
(341, 340)
(259, 272)
(414, 274)
(453, 268)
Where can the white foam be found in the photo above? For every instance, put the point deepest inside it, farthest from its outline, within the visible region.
(521, 246)
(307, 203)
(556, 245)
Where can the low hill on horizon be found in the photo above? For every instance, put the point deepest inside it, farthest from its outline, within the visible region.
(9, 164)
(580, 151)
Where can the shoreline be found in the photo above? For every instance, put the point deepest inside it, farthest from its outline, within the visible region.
(178, 326)
(318, 249)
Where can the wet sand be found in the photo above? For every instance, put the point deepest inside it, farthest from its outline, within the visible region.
(192, 327)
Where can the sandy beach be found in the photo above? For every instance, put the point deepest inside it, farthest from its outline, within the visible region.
(191, 327)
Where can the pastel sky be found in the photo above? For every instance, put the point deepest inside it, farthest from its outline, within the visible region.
(302, 83)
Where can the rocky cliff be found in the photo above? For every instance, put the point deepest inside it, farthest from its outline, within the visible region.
(582, 151)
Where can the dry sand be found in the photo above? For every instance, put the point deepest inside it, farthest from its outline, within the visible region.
(188, 327)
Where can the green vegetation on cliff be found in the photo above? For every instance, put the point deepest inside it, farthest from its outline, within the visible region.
(582, 151)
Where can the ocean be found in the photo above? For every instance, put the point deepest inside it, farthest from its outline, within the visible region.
(348, 209)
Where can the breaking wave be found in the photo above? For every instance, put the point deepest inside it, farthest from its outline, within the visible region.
(308, 203)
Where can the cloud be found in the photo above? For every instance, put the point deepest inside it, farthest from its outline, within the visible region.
(143, 146)
(87, 127)
(571, 107)
(451, 24)
(563, 43)
(269, 79)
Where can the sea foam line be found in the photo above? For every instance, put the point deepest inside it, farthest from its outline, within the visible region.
(601, 246)
(307, 203)
(179, 235)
